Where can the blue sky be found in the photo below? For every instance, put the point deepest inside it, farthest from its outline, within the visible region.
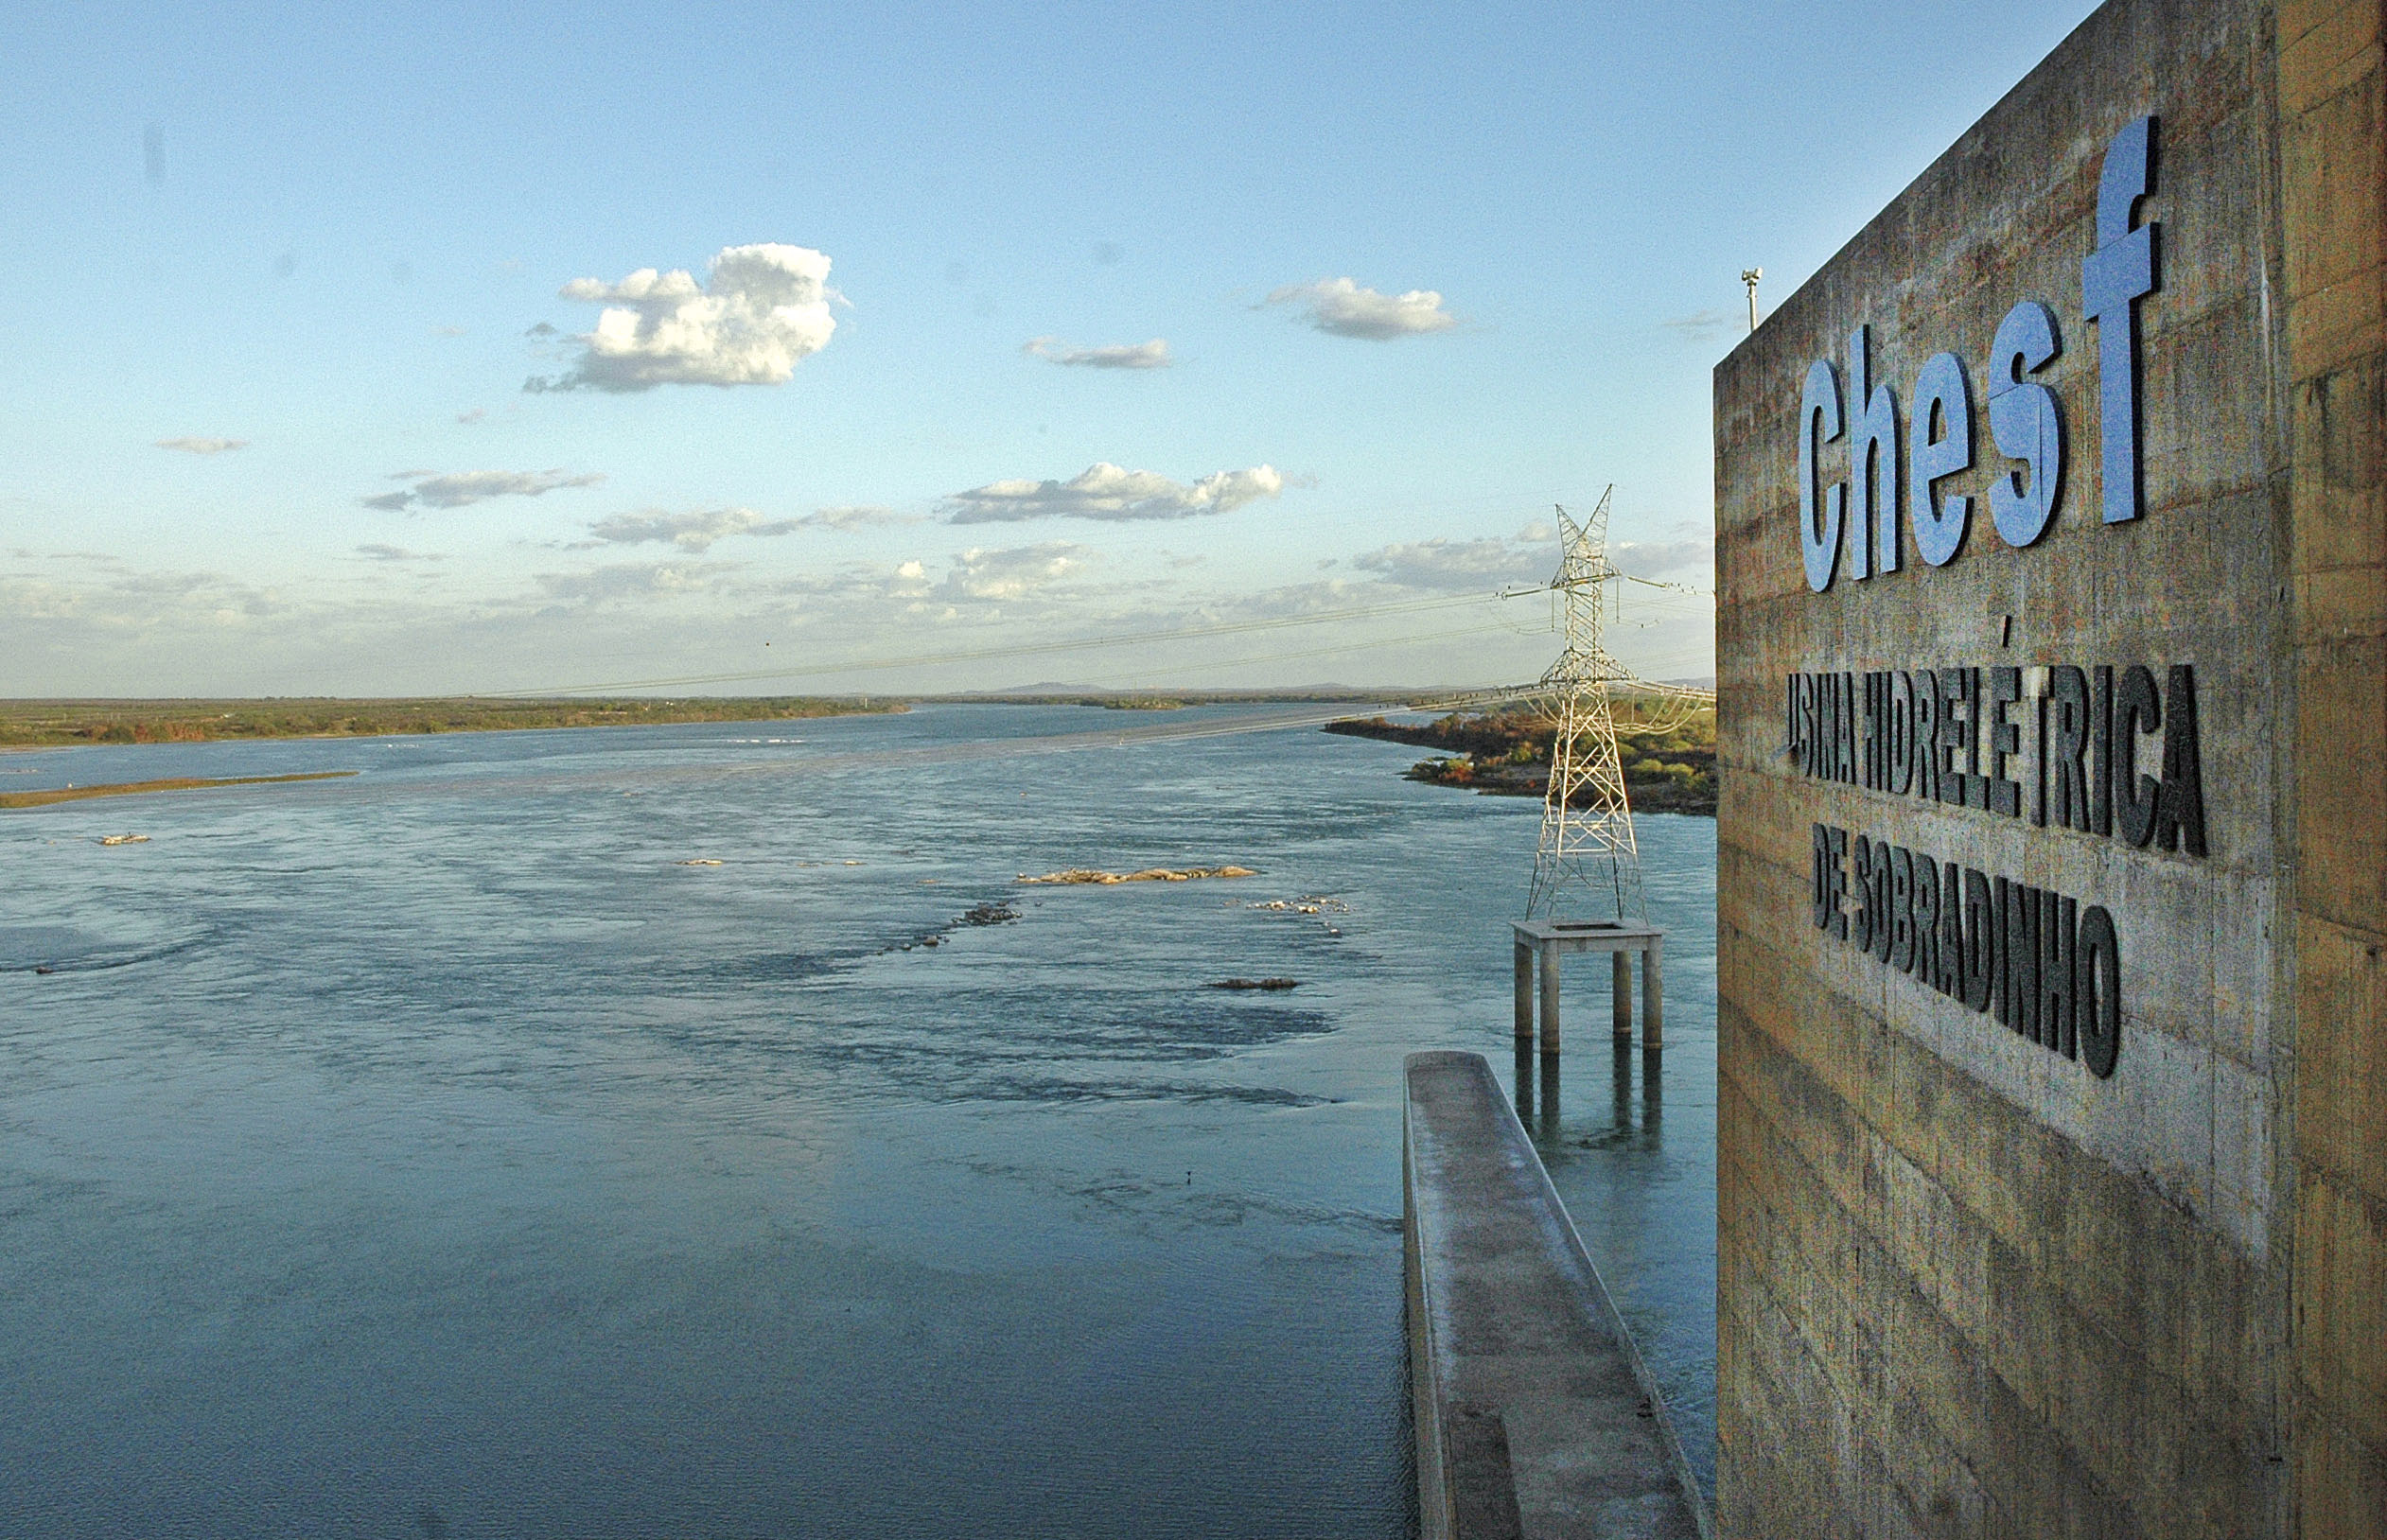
(1503, 252)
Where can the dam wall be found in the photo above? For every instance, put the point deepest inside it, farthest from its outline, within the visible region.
(2052, 584)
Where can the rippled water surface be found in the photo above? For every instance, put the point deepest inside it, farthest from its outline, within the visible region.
(433, 1153)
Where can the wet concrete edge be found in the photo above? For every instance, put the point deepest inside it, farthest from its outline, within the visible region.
(1535, 1412)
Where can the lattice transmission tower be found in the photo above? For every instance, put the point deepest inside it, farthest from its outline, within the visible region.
(1587, 855)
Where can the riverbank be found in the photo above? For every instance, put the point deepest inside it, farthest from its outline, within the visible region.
(136, 788)
(1668, 767)
(59, 724)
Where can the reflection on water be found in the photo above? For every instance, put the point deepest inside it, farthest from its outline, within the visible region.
(434, 1152)
(1642, 1193)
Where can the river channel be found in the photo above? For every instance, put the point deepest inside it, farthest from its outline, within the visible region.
(438, 1153)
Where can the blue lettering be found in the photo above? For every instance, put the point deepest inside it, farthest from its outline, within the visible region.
(2112, 279)
(1821, 510)
(1943, 446)
(2026, 422)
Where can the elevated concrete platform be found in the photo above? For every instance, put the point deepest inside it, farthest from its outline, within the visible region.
(1549, 940)
(1535, 1415)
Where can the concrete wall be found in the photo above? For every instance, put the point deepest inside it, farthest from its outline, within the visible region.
(1535, 1412)
(1968, 1284)
(2333, 106)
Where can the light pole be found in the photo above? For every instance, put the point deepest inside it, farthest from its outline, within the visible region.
(1749, 276)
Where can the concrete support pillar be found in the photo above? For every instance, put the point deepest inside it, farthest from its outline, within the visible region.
(1524, 992)
(1653, 996)
(1549, 998)
(1546, 943)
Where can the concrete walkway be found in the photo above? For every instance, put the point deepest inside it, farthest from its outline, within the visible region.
(1535, 1416)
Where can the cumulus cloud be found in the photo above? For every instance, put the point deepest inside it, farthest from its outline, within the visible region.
(697, 531)
(760, 309)
(1342, 306)
(613, 584)
(120, 603)
(856, 517)
(1104, 491)
(1007, 574)
(1690, 555)
(690, 532)
(203, 445)
(1151, 354)
(1530, 557)
(1460, 564)
(458, 489)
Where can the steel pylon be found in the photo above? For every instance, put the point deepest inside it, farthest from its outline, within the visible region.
(1587, 866)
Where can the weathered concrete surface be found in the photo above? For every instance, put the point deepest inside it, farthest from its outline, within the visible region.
(1550, 940)
(1535, 1416)
(1966, 1287)
(2333, 103)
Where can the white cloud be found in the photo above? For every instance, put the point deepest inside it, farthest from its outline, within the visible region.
(398, 554)
(608, 585)
(86, 626)
(697, 531)
(1530, 557)
(690, 532)
(1007, 574)
(203, 445)
(1151, 354)
(458, 489)
(1342, 308)
(1104, 491)
(1689, 555)
(760, 309)
(134, 604)
(1314, 597)
(1461, 564)
(472, 416)
(856, 517)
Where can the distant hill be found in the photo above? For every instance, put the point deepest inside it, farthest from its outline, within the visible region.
(1055, 693)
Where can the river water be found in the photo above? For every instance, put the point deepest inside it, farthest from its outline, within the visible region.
(433, 1153)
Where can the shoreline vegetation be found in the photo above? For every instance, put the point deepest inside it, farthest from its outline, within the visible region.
(68, 723)
(65, 724)
(52, 796)
(1507, 753)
